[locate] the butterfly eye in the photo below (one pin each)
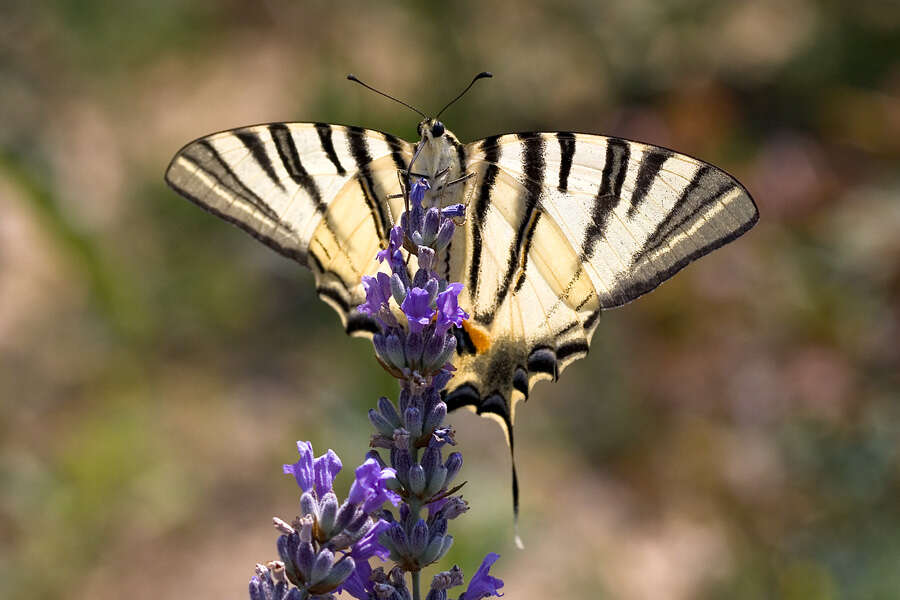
(437, 130)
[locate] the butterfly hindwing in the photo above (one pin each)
(561, 226)
(314, 192)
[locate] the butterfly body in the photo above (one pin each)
(558, 227)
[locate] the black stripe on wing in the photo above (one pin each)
(324, 130)
(207, 159)
(651, 163)
(358, 143)
(533, 167)
(255, 145)
(290, 159)
(566, 154)
(491, 150)
(609, 193)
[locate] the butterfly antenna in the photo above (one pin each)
(353, 77)
(482, 75)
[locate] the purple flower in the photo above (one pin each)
(310, 472)
(370, 488)
(394, 244)
(482, 584)
(417, 307)
(417, 191)
(449, 312)
(378, 291)
(359, 583)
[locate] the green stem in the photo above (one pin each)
(415, 584)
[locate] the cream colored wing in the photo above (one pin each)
(314, 192)
(561, 226)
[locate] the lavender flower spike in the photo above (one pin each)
(482, 583)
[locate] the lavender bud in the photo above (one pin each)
(344, 515)
(413, 418)
(384, 591)
(259, 588)
(436, 481)
(308, 505)
(432, 551)
(304, 559)
(433, 353)
(438, 527)
(393, 350)
(414, 346)
(454, 507)
(385, 540)
(401, 439)
(287, 550)
(447, 579)
(434, 594)
(380, 423)
(426, 258)
(282, 526)
(378, 340)
(397, 577)
(398, 289)
(432, 287)
(440, 381)
(445, 546)
(431, 459)
(339, 572)
(276, 568)
(447, 350)
(430, 226)
(421, 278)
(416, 479)
(340, 542)
(321, 566)
(404, 515)
(387, 410)
(435, 417)
(398, 538)
(453, 465)
(444, 235)
(328, 508)
(403, 401)
(418, 538)
(359, 523)
(401, 461)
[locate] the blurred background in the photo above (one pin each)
(734, 434)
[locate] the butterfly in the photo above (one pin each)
(558, 227)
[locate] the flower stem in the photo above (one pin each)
(415, 584)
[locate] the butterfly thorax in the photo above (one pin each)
(437, 158)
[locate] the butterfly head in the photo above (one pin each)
(430, 129)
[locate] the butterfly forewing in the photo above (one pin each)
(561, 226)
(314, 192)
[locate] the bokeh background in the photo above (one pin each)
(734, 434)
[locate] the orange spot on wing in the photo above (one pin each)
(478, 335)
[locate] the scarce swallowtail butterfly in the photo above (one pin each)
(559, 227)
